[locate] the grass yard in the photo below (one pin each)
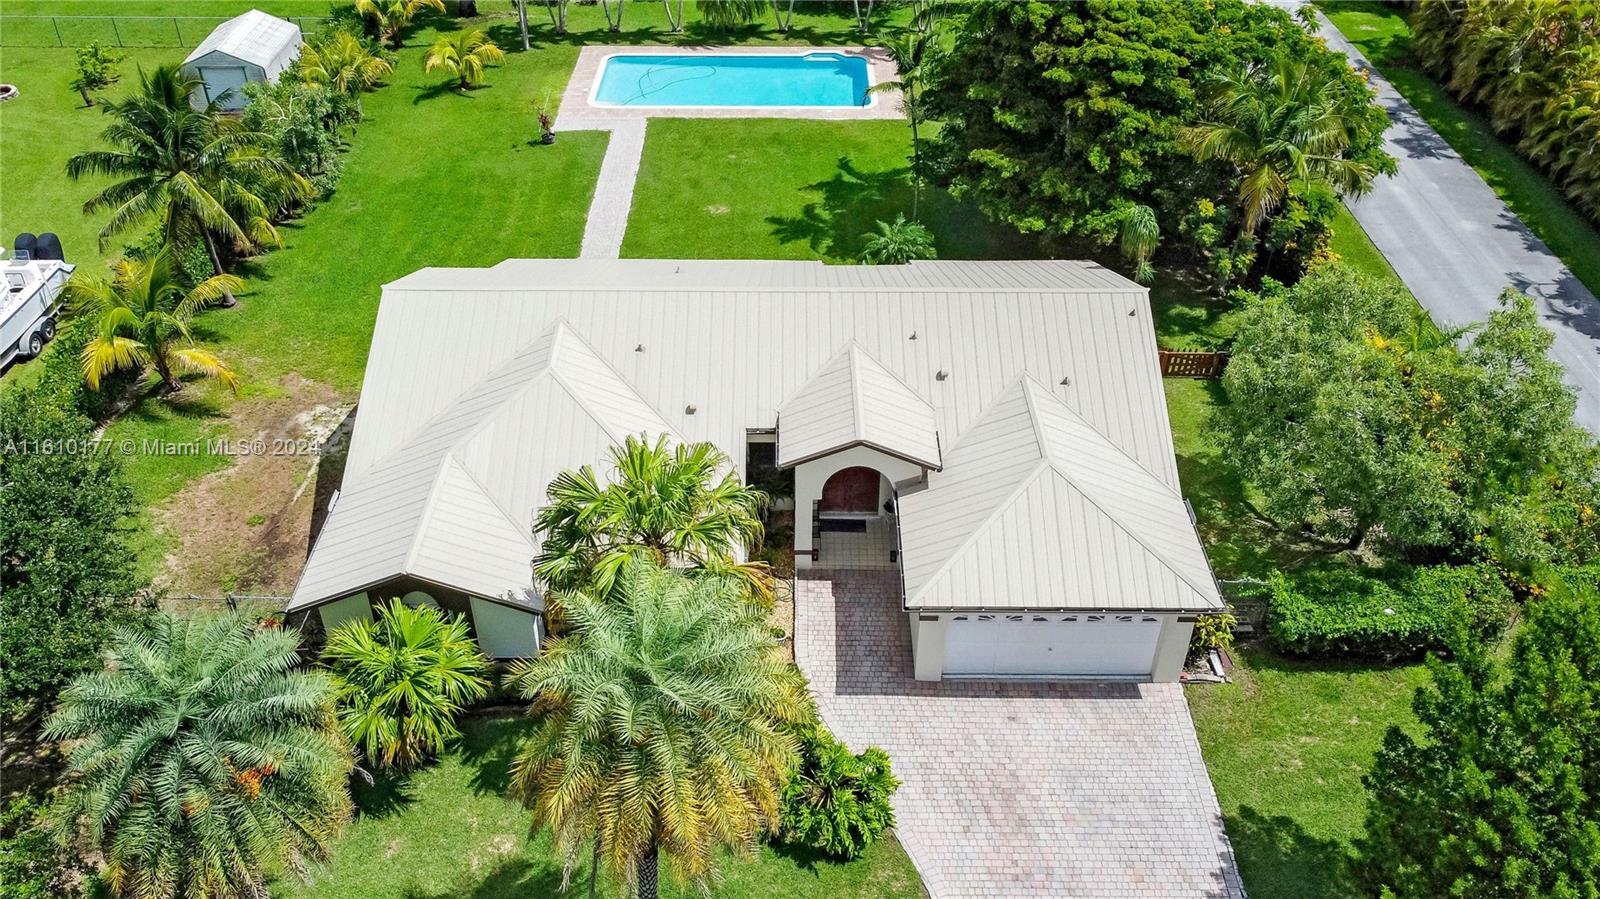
(1382, 34)
(451, 830)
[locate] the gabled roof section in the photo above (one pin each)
(1036, 509)
(454, 502)
(853, 400)
(255, 37)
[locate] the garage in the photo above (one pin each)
(1051, 645)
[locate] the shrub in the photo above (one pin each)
(28, 860)
(96, 69)
(1212, 632)
(1341, 611)
(837, 802)
(299, 121)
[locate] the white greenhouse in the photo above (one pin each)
(249, 47)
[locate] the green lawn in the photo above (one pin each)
(1381, 33)
(451, 830)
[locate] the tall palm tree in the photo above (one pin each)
(391, 18)
(402, 680)
(664, 726)
(674, 505)
(1282, 123)
(207, 758)
(141, 317)
(205, 176)
(913, 53)
(343, 63)
(463, 54)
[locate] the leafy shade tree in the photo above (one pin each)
(897, 242)
(1497, 794)
(96, 69)
(206, 759)
(389, 19)
(298, 120)
(202, 174)
(402, 680)
(463, 54)
(1060, 117)
(142, 317)
(913, 52)
(1350, 413)
(65, 558)
(1288, 125)
(673, 504)
(344, 64)
(665, 725)
(838, 802)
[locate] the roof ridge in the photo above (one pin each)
(853, 353)
(982, 526)
(588, 409)
(1101, 434)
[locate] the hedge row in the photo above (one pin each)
(1341, 611)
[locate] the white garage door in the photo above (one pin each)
(1051, 645)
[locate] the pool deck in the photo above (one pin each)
(578, 114)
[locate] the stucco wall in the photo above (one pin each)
(809, 477)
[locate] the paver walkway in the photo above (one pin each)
(613, 195)
(1456, 245)
(1087, 791)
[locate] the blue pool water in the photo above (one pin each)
(816, 79)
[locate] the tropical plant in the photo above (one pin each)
(343, 63)
(204, 175)
(297, 120)
(1138, 238)
(463, 54)
(96, 69)
(1287, 125)
(1213, 631)
(679, 504)
(837, 802)
(204, 759)
(389, 19)
(913, 53)
(142, 317)
(897, 242)
(66, 558)
(728, 14)
(665, 717)
(402, 680)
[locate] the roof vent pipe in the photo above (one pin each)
(942, 375)
(689, 409)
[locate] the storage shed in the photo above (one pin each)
(249, 47)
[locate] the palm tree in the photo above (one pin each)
(141, 317)
(1282, 123)
(680, 504)
(206, 758)
(464, 55)
(665, 725)
(1139, 235)
(203, 174)
(728, 14)
(343, 63)
(913, 54)
(402, 680)
(897, 242)
(391, 18)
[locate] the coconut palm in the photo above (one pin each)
(343, 63)
(205, 759)
(141, 317)
(897, 242)
(205, 176)
(1283, 123)
(913, 54)
(673, 504)
(463, 54)
(402, 680)
(390, 18)
(664, 727)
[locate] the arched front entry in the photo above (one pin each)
(842, 516)
(854, 491)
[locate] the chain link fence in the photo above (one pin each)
(121, 31)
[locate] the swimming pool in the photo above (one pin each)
(812, 79)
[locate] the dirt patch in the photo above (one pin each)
(718, 209)
(247, 527)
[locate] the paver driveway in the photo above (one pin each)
(1017, 789)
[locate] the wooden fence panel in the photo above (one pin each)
(1187, 364)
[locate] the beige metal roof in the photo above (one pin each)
(1036, 509)
(707, 350)
(854, 400)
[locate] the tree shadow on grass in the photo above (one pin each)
(388, 793)
(429, 92)
(1279, 860)
(806, 858)
(514, 879)
(847, 206)
(488, 746)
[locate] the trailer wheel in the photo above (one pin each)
(48, 330)
(35, 344)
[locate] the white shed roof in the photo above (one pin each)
(854, 400)
(254, 37)
(1037, 510)
(704, 350)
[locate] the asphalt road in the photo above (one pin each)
(1457, 246)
